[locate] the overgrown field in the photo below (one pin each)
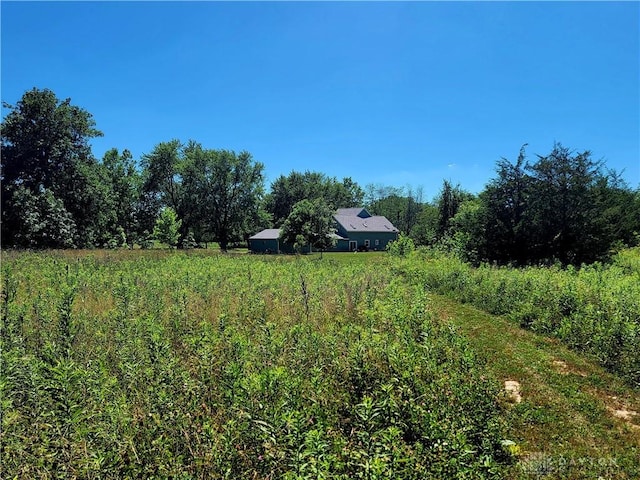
(150, 365)
(594, 309)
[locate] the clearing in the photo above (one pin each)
(568, 417)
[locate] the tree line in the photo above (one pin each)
(563, 207)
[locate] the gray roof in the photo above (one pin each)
(268, 234)
(376, 223)
(355, 212)
(274, 234)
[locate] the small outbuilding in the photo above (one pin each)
(266, 241)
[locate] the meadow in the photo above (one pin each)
(173, 365)
(167, 364)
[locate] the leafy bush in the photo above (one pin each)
(401, 247)
(188, 242)
(167, 227)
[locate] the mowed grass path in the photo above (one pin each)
(571, 420)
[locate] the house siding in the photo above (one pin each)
(383, 239)
(263, 245)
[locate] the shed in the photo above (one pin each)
(266, 241)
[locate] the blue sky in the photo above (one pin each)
(390, 93)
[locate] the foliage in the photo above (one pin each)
(188, 241)
(46, 155)
(162, 169)
(566, 401)
(309, 223)
(448, 202)
(44, 140)
(136, 364)
(465, 235)
(44, 222)
(401, 247)
(425, 231)
(401, 206)
(119, 240)
(563, 208)
(167, 229)
(286, 191)
(146, 240)
(125, 186)
(505, 200)
(563, 205)
(225, 190)
(594, 309)
(213, 192)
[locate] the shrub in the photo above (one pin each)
(401, 247)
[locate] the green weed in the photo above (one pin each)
(161, 365)
(595, 309)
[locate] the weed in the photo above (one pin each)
(201, 366)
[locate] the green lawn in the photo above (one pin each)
(566, 423)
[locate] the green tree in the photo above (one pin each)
(563, 210)
(224, 191)
(449, 201)
(162, 179)
(167, 227)
(619, 207)
(466, 235)
(45, 223)
(564, 207)
(188, 242)
(125, 182)
(343, 194)
(506, 200)
(402, 207)
(286, 191)
(310, 223)
(425, 231)
(45, 150)
(216, 194)
(89, 198)
(401, 247)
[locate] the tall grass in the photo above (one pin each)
(595, 309)
(192, 366)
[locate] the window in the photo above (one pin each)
(377, 242)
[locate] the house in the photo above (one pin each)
(356, 229)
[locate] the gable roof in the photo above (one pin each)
(274, 234)
(357, 212)
(268, 234)
(349, 219)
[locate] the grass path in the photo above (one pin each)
(574, 420)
